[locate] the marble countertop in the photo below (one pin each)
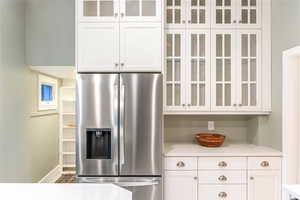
(194, 149)
(64, 192)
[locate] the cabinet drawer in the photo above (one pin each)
(271, 163)
(222, 177)
(215, 192)
(213, 163)
(181, 163)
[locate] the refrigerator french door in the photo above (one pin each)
(119, 138)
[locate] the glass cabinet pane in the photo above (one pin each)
(148, 8)
(198, 61)
(223, 12)
(248, 69)
(174, 12)
(106, 8)
(132, 8)
(248, 11)
(90, 8)
(198, 12)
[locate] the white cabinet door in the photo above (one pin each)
(198, 70)
(176, 13)
(140, 47)
(249, 70)
(140, 10)
(180, 185)
(175, 89)
(98, 47)
(224, 13)
(264, 185)
(98, 10)
(249, 13)
(223, 70)
(198, 13)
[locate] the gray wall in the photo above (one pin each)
(285, 35)
(50, 32)
(28, 146)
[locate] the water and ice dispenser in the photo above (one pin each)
(98, 143)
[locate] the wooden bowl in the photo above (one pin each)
(210, 139)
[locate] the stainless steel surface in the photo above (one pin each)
(97, 107)
(142, 124)
(121, 125)
(142, 188)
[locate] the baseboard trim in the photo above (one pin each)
(52, 176)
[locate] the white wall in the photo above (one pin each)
(28, 145)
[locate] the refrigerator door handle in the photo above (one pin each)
(136, 184)
(122, 124)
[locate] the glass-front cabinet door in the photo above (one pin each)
(249, 13)
(198, 13)
(198, 70)
(249, 70)
(98, 10)
(175, 13)
(140, 10)
(223, 70)
(175, 92)
(224, 13)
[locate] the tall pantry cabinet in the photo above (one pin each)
(217, 57)
(119, 36)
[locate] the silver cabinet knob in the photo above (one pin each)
(222, 178)
(222, 195)
(234, 21)
(222, 164)
(180, 164)
(116, 14)
(189, 21)
(122, 64)
(183, 105)
(195, 178)
(116, 64)
(251, 178)
(265, 164)
(183, 21)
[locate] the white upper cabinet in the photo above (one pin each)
(223, 70)
(187, 14)
(175, 93)
(96, 53)
(249, 70)
(119, 36)
(98, 10)
(198, 70)
(140, 47)
(140, 10)
(236, 13)
(123, 10)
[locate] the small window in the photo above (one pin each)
(47, 93)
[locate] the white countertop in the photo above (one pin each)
(63, 192)
(292, 191)
(194, 149)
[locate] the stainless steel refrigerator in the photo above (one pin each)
(119, 132)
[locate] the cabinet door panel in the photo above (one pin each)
(175, 13)
(180, 185)
(249, 70)
(98, 54)
(223, 71)
(198, 70)
(140, 47)
(249, 13)
(140, 10)
(264, 184)
(175, 71)
(198, 13)
(98, 10)
(224, 13)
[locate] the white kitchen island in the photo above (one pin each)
(64, 192)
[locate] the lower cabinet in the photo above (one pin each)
(228, 178)
(180, 185)
(264, 185)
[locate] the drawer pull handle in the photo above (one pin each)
(180, 164)
(222, 194)
(222, 164)
(222, 178)
(265, 164)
